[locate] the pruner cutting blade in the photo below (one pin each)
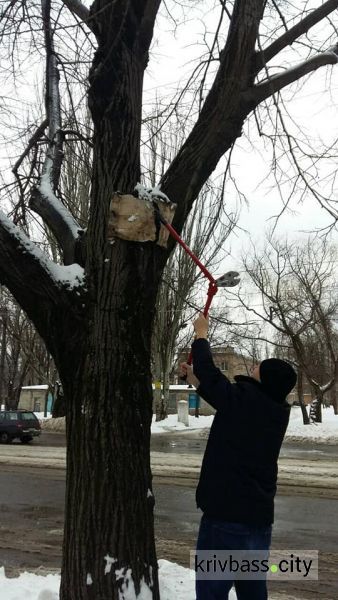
(229, 279)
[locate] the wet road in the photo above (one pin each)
(31, 505)
(194, 442)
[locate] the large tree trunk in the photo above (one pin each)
(109, 501)
(109, 531)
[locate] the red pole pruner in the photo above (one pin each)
(229, 279)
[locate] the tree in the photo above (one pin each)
(284, 350)
(24, 359)
(295, 284)
(95, 313)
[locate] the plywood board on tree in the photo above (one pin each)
(133, 219)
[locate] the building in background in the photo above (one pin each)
(231, 363)
(36, 398)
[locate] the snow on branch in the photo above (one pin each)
(42, 288)
(275, 83)
(151, 194)
(12, 239)
(327, 386)
(54, 213)
(290, 36)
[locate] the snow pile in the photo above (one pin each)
(325, 432)
(171, 424)
(175, 582)
(41, 415)
(29, 587)
(56, 425)
(178, 583)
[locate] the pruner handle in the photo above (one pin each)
(211, 292)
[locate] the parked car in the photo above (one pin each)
(21, 424)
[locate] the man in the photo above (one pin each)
(238, 477)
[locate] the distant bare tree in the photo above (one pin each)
(295, 283)
(24, 358)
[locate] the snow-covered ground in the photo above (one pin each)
(326, 432)
(171, 424)
(176, 582)
(41, 415)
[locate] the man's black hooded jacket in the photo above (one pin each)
(239, 470)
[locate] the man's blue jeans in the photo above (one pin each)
(220, 535)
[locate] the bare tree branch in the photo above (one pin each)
(275, 83)
(302, 27)
(292, 279)
(38, 133)
(23, 271)
(223, 113)
(80, 10)
(43, 200)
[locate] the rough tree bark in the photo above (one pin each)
(109, 517)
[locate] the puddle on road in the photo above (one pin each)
(177, 447)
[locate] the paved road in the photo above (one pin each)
(194, 442)
(31, 504)
(310, 475)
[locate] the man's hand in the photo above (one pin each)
(201, 326)
(187, 371)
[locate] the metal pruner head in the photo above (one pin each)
(229, 279)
